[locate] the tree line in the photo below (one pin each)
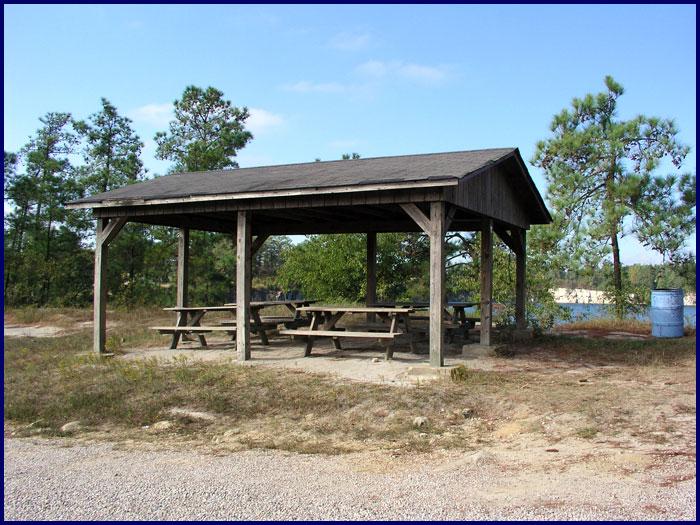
(603, 183)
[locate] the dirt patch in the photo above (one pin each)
(357, 361)
(45, 330)
(33, 331)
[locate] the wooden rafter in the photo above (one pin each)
(418, 216)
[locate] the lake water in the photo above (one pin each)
(597, 311)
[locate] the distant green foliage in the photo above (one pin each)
(41, 236)
(326, 267)
(48, 249)
(463, 276)
(332, 268)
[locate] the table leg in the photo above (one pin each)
(181, 321)
(330, 325)
(310, 339)
(460, 316)
(292, 308)
(390, 343)
(257, 323)
(184, 336)
(463, 324)
(407, 328)
(233, 335)
(196, 317)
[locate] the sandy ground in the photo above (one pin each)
(32, 331)
(44, 330)
(65, 480)
(364, 360)
(357, 361)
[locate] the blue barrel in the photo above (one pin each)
(667, 312)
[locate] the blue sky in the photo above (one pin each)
(378, 80)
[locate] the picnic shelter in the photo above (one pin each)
(489, 191)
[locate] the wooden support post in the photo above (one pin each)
(243, 284)
(437, 282)
(486, 280)
(100, 290)
(106, 231)
(183, 266)
(371, 273)
(520, 282)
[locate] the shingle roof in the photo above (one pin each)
(319, 176)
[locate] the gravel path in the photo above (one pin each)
(47, 480)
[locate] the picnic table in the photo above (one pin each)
(189, 320)
(324, 320)
(292, 305)
(458, 314)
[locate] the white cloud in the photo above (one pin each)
(372, 68)
(351, 41)
(313, 87)
(261, 120)
(157, 115)
(427, 74)
(375, 72)
(420, 73)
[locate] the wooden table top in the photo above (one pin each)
(291, 302)
(232, 306)
(426, 305)
(197, 308)
(356, 309)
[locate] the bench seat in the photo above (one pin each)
(339, 333)
(427, 318)
(265, 324)
(196, 329)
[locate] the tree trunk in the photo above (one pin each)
(617, 274)
(614, 230)
(47, 273)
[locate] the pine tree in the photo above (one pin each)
(599, 170)
(206, 133)
(39, 219)
(112, 151)
(112, 154)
